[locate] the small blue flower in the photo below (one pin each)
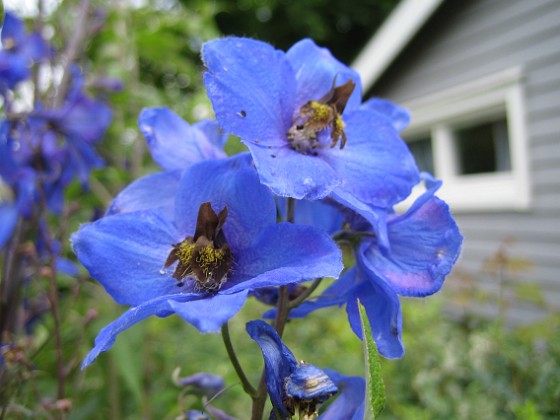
(202, 383)
(174, 145)
(82, 121)
(292, 386)
(299, 113)
(222, 243)
(19, 51)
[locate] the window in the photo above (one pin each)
(473, 137)
(483, 148)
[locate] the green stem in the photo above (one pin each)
(247, 387)
(301, 298)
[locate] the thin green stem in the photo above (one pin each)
(301, 298)
(247, 387)
(259, 400)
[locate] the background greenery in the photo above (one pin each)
(456, 366)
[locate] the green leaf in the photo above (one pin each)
(375, 388)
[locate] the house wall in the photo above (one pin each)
(466, 40)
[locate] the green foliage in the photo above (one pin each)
(457, 370)
(375, 388)
(343, 27)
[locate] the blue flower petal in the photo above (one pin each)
(308, 382)
(316, 70)
(13, 30)
(149, 192)
(315, 213)
(291, 174)
(279, 361)
(383, 310)
(349, 403)
(107, 336)
(209, 314)
(126, 253)
(230, 182)
(213, 132)
(285, 253)
(8, 218)
(425, 243)
(334, 295)
(398, 117)
(376, 166)
(173, 143)
(252, 88)
(66, 266)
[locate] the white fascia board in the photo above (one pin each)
(391, 38)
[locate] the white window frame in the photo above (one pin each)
(494, 96)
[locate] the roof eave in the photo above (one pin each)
(391, 38)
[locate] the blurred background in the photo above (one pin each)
(482, 82)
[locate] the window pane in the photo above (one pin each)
(483, 148)
(421, 149)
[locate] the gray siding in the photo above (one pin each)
(466, 40)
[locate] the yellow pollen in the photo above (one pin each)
(185, 252)
(338, 125)
(208, 258)
(321, 112)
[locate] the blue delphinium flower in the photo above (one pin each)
(174, 145)
(17, 187)
(82, 121)
(222, 243)
(292, 386)
(417, 251)
(301, 116)
(19, 51)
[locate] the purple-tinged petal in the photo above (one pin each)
(383, 310)
(398, 117)
(126, 253)
(13, 69)
(159, 306)
(76, 119)
(425, 243)
(35, 48)
(285, 253)
(308, 382)
(279, 361)
(376, 166)
(218, 414)
(231, 183)
(13, 30)
(66, 266)
(252, 88)
(149, 192)
(8, 218)
(202, 383)
(349, 403)
(173, 143)
(316, 71)
(209, 314)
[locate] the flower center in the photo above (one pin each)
(316, 118)
(206, 257)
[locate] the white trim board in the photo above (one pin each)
(499, 94)
(390, 39)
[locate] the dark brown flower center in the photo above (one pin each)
(206, 256)
(317, 116)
